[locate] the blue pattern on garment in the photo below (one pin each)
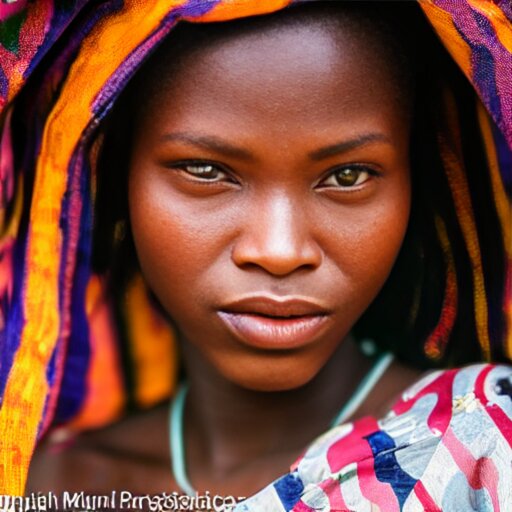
(289, 488)
(387, 468)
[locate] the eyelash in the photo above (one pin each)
(331, 174)
(183, 166)
(360, 168)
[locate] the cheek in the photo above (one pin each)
(365, 242)
(176, 240)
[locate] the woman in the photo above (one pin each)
(221, 136)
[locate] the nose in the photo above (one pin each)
(276, 237)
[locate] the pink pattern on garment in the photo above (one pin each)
(332, 489)
(31, 37)
(302, 507)
(8, 10)
(441, 415)
(350, 448)
(375, 491)
(424, 497)
(481, 473)
(440, 470)
(498, 416)
(354, 447)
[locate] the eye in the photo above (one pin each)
(204, 171)
(348, 177)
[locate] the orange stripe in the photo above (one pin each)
(449, 142)
(153, 348)
(230, 9)
(443, 25)
(436, 342)
(26, 388)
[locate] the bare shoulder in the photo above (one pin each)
(131, 454)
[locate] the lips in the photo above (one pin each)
(269, 323)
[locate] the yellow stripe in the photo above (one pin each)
(500, 196)
(443, 25)
(503, 206)
(449, 143)
(230, 9)
(102, 52)
(502, 26)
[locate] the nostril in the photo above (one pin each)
(278, 267)
(278, 260)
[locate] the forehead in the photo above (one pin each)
(301, 74)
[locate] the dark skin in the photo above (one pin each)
(275, 167)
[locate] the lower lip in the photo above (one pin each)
(274, 333)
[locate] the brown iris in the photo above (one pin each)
(348, 177)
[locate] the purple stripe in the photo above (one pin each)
(477, 32)
(117, 81)
(484, 67)
(70, 41)
(77, 350)
(4, 85)
(497, 87)
(506, 7)
(504, 154)
(196, 8)
(59, 22)
(73, 387)
(11, 335)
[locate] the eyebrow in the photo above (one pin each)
(211, 142)
(347, 145)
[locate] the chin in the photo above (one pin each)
(271, 376)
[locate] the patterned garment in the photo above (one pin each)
(446, 445)
(72, 354)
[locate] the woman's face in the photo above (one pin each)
(269, 195)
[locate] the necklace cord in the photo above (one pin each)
(176, 437)
(364, 388)
(177, 443)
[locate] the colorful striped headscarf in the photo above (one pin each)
(62, 66)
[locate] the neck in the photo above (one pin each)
(228, 427)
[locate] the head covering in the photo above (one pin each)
(68, 352)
